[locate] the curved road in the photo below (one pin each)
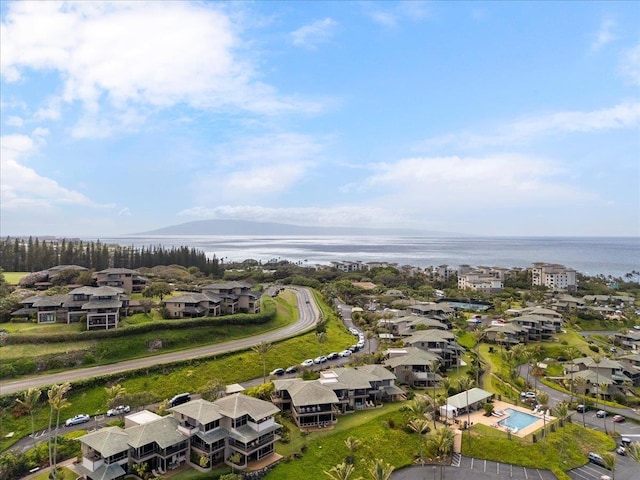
(308, 314)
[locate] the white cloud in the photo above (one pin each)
(391, 16)
(50, 110)
(629, 65)
(309, 36)
(622, 116)
(14, 121)
(347, 216)
(604, 35)
(258, 166)
(471, 182)
(22, 187)
(124, 212)
(123, 55)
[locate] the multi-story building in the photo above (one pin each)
(128, 280)
(234, 296)
(440, 342)
(101, 306)
(237, 430)
(482, 279)
(553, 276)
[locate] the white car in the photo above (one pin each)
(320, 359)
(345, 353)
(360, 344)
(307, 363)
(77, 420)
(118, 410)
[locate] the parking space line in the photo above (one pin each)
(579, 474)
(485, 465)
(472, 463)
(497, 468)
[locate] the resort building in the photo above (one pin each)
(214, 300)
(413, 366)
(553, 276)
(131, 281)
(236, 427)
(441, 343)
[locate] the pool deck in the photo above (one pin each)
(492, 421)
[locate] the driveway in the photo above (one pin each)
(307, 317)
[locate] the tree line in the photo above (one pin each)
(35, 254)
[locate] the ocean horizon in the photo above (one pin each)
(608, 256)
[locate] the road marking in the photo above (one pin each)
(525, 472)
(498, 468)
(471, 463)
(485, 465)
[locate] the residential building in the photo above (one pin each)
(235, 297)
(440, 342)
(553, 276)
(506, 334)
(192, 305)
(628, 339)
(413, 366)
(347, 266)
(216, 431)
(131, 281)
(102, 307)
(482, 279)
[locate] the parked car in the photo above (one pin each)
(77, 420)
(597, 459)
(119, 410)
(360, 344)
(581, 408)
(354, 348)
(332, 356)
(345, 353)
(307, 363)
(277, 371)
(179, 399)
(601, 414)
(618, 418)
(291, 369)
(320, 359)
(528, 395)
(636, 327)
(626, 441)
(621, 450)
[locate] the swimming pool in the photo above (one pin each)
(517, 419)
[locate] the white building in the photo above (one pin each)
(553, 276)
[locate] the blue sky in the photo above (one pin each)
(497, 118)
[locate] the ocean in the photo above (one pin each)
(588, 255)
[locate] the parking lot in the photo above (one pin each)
(472, 468)
(626, 469)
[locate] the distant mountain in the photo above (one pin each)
(243, 227)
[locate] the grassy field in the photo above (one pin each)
(232, 368)
(323, 450)
(12, 278)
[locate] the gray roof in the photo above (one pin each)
(108, 441)
(414, 356)
(107, 303)
(239, 404)
(431, 336)
(474, 395)
(106, 291)
(311, 392)
(105, 472)
(247, 434)
(163, 431)
(187, 298)
(200, 410)
(44, 301)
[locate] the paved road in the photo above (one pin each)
(308, 314)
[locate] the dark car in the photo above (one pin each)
(180, 399)
(277, 371)
(332, 356)
(291, 369)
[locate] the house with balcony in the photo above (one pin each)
(441, 343)
(213, 430)
(311, 403)
(506, 334)
(131, 281)
(602, 379)
(234, 297)
(102, 307)
(631, 367)
(628, 339)
(413, 366)
(193, 305)
(316, 403)
(538, 328)
(553, 276)
(105, 454)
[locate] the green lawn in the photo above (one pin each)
(12, 278)
(323, 450)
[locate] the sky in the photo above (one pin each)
(496, 118)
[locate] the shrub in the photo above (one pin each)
(594, 348)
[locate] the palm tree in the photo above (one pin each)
(610, 462)
(543, 399)
(114, 395)
(597, 359)
(380, 470)
(603, 387)
(421, 427)
(57, 402)
(352, 444)
(571, 353)
(29, 401)
(562, 412)
(369, 335)
(441, 443)
(419, 406)
(478, 336)
(465, 384)
(581, 384)
(434, 368)
(342, 471)
(262, 349)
